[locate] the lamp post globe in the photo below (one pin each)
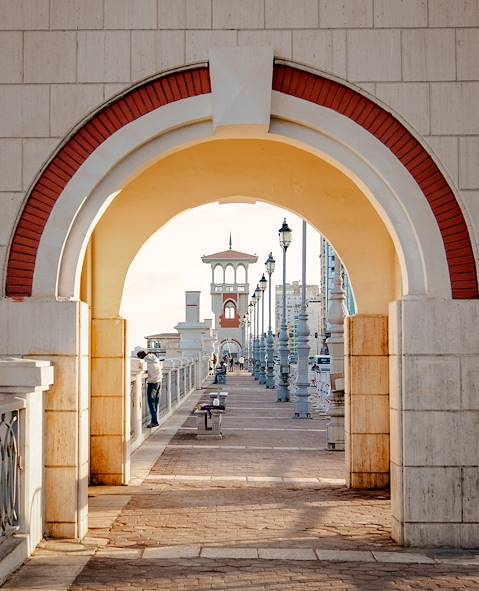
(257, 361)
(262, 341)
(270, 265)
(285, 237)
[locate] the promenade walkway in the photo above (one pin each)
(264, 508)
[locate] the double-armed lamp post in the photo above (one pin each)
(270, 264)
(285, 237)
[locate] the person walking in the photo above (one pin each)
(241, 362)
(153, 387)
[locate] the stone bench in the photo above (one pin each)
(208, 421)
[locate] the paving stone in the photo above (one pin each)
(287, 553)
(130, 554)
(403, 557)
(172, 552)
(229, 553)
(345, 555)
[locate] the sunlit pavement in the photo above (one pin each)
(264, 508)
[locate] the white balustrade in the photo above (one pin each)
(22, 383)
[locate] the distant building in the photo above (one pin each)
(229, 296)
(293, 307)
(165, 344)
(327, 262)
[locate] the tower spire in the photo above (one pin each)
(231, 244)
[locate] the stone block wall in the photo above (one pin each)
(62, 58)
(434, 371)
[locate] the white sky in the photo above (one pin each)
(169, 263)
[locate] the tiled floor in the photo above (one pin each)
(264, 508)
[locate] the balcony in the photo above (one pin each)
(229, 288)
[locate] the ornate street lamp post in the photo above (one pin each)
(270, 263)
(244, 326)
(262, 346)
(302, 405)
(250, 347)
(253, 367)
(257, 364)
(285, 236)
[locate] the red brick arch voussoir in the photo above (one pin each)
(153, 94)
(141, 100)
(409, 151)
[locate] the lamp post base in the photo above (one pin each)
(283, 389)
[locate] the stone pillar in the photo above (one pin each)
(58, 331)
(336, 313)
(110, 403)
(22, 384)
(367, 401)
(434, 368)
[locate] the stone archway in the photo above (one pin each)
(305, 111)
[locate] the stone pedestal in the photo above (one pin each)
(367, 401)
(58, 331)
(336, 414)
(209, 427)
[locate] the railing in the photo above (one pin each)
(178, 380)
(145, 412)
(229, 287)
(9, 472)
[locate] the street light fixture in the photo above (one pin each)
(262, 344)
(285, 237)
(257, 363)
(270, 264)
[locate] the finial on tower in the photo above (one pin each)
(231, 244)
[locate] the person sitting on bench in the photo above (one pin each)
(221, 370)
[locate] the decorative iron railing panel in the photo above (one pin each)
(9, 472)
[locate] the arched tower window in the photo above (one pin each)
(230, 310)
(229, 274)
(240, 274)
(218, 274)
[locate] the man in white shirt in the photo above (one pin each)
(154, 376)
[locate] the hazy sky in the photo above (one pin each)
(169, 263)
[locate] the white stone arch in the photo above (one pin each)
(333, 137)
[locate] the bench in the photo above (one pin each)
(208, 421)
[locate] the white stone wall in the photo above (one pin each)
(59, 59)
